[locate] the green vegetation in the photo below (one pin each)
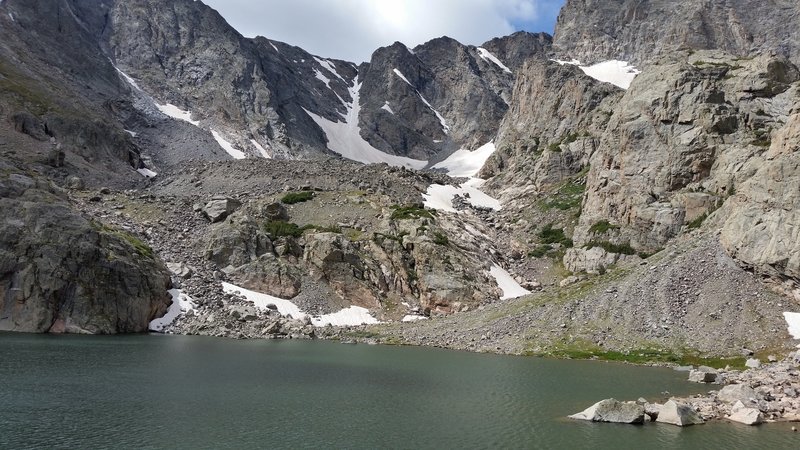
(411, 212)
(555, 147)
(280, 228)
(550, 235)
(380, 237)
(601, 227)
(297, 197)
(138, 245)
(648, 355)
(763, 138)
(645, 255)
(696, 223)
(540, 251)
(569, 195)
(440, 239)
(624, 249)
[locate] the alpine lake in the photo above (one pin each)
(175, 392)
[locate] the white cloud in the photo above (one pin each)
(353, 29)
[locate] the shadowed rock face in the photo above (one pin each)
(62, 273)
(638, 31)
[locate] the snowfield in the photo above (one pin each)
(618, 73)
(462, 164)
(345, 138)
(181, 304)
(176, 113)
(354, 315)
(228, 147)
(510, 288)
(465, 163)
(793, 323)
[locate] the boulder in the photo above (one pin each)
(703, 374)
(244, 313)
(611, 410)
(738, 393)
(180, 270)
(220, 207)
(753, 363)
(276, 211)
(745, 415)
(652, 410)
(678, 414)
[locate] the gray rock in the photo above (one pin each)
(220, 207)
(678, 414)
(703, 375)
(738, 392)
(745, 415)
(180, 270)
(753, 363)
(611, 410)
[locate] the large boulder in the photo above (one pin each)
(612, 410)
(703, 374)
(220, 207)
(745, 415)
(738, 393)
(678, 414)
(63, 273)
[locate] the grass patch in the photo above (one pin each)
(540, 251)
(440, 239)
(138, 245)
(411, 212)
(280, 228)
(380, 237)
(696, 223)
(601, 227)
(648, 356)
(624, 249)
(297, 197)
(569, 195)
(763, 138)
(550, 235)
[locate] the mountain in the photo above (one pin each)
(640, 31)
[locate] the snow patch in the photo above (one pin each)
(388, 108)
(327, 65)
(260, 149)
(228, 147)
(345, 138)
(10, 16)
(352, 316)
(323, 78)
(127, 78)
(793, 323)
(618, 73)
(413, 318)
(176, 113)
(465, 163)
(440, 197)
(181, 303)
(273, 46)
(510, 288)
(488, 56)
(403, 77)
(132, 133)
(147, 173)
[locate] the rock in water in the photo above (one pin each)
(220, 207)
(611, 410)
(703, 375)
(745, 415)
(678, 414)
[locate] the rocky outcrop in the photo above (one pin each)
(611, 410)
(682, 140)
(63, 273)
(551, 128)
(637, 31)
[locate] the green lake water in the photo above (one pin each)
(190, 392)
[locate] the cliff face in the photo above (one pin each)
(639, 31)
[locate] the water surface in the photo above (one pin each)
(193, 392)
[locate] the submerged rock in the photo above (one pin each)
(611, 410)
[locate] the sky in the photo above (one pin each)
(353, 29)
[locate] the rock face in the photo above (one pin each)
(62, 273)
(632, 30)
(678, 414)
(611, 410)
(669, 156)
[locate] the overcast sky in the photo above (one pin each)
(353, 29)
